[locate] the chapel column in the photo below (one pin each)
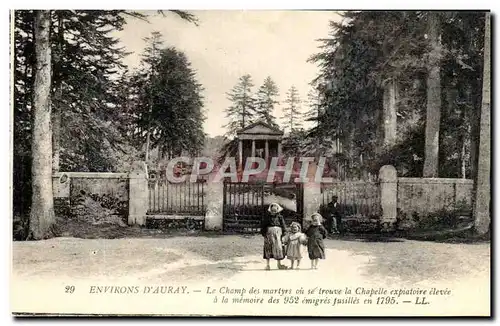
(253, 147)
(267, 150)
(240, 155)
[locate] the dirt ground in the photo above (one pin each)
(233, 259)
(222, 256)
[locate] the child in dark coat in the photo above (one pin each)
(315, 235)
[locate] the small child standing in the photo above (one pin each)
(293, 242)
(315, 235)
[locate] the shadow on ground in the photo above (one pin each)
(204, 272)
(367, 238)
(415, 261)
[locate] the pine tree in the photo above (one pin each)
(370, 51)
(242, 111)
(266, 101)
(86, 97)
(167, 101)
(84, 88)
(86, 91)
(292, 118)
(151, 57)
(314, 104)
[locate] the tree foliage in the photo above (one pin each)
(266, 101)
(366, 50)
(292, 116)
(86, 92)
(85, 89)
(242, 110)
(167, 100)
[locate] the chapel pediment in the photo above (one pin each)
(261, 128)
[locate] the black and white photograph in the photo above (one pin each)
(215, 163)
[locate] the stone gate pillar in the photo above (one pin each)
(138, 195)
(214, 199)
(312, 197)
(388, 194)
(61, 186)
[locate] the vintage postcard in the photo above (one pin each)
(251, 163)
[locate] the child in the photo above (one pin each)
(293, 242)
(315, 235)
(272, 228)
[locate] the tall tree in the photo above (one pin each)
(313, 114)
(86, 76)
(151, 59)
(292, 117)
(242, 110)
(42, 218)
(168, 102)
(24, 60)
(86, 94)
(389, 116)
(85, 88)
(366, 52)
(433, 112)
(314, 104)
(266, 101)
(482, 198)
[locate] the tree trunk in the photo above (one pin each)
(474, 135)
(463, 155)
(42, 217)
(56, 109)
(390, 119)
(465, 138)
(433, 114)
(482, 199)
(450, 110)
(56, 132)
(148, 140)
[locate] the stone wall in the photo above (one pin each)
(401, 196)
(423, 196)
(109, 190)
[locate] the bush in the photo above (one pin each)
(20, 227)
(439, 220)
(98, 209)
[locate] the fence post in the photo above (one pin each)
(215, 202)
(138, 196)
(388, 194)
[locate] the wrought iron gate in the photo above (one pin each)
(244, 204)
(175, 205)
(359, 203)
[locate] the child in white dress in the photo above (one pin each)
(293, 241)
